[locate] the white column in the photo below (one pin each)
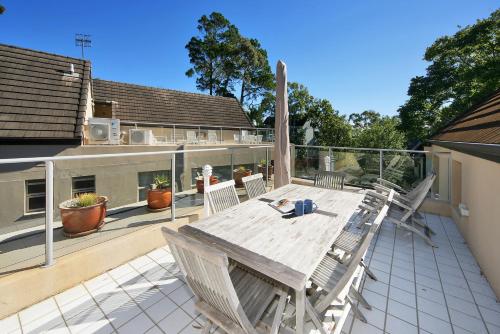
(207, 172)
(327, 164)
(49, 213)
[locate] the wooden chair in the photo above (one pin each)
(348, 241)
(254, 185)
(329, 180)
(405, 208)
(334, 277)
(222, 196)
(191, 137)
(234, 301)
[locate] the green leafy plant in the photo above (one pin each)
(263, 162)
(86, 199)
(161, 181)
(241, 169)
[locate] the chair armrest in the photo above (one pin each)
(391, 185)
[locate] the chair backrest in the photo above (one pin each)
(190, 135)
(222, 196)
(254, 185)
(419, 197)
(355, 259)
(330, 180)
(212, 136)
(206, 272)
(259, 138)
(236, 138)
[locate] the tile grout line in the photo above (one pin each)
(62, 315)
(389, 283)
(415, 281)
(466, 281)
(441, 281)
(95, 301)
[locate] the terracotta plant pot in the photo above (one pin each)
(85, 220)
(159, 198)
(263, 170)
(239, 174)
(200, 184)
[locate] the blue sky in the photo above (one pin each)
(358, 54)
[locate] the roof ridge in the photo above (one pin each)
(43, 52)
(166, 89)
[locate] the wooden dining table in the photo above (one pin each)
(284, 247)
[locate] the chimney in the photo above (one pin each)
(72, 68)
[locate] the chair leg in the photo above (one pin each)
(414, 230)
(279, 314)
(355, 309)
(368, 271)
(207, 327)
(314, 317)
(420, 223)
(359, 297)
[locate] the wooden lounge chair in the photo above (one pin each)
(335, 278)
(233, 300)
(254, 185)
(222, 196)
(329, 180)
(404, 208)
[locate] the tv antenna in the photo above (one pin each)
(83, 41)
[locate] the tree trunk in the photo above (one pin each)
(242, 96)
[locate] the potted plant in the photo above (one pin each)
(264, 166)
(240, 173)
(83, 214)
(160, 194)
(200, 182)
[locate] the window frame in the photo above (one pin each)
(28, 195)
(77, 191)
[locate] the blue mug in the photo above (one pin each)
(299, 208)
(309, 206)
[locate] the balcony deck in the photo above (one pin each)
(420, 290)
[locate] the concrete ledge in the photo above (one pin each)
(27, 287)
(436, 207)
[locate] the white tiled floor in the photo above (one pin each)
(419, 290)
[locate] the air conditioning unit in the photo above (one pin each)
(141, 137)
(104, 131)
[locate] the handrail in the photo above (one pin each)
(192, 125)
(363, 149)
(117, 155)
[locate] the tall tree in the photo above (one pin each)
(330, 128)
(213, 53)
(254, 72)
(365, 119)
(464, 69)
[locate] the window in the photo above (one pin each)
(145, 181)
(35, 195)
(83, 184)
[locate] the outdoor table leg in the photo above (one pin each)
(300, 311)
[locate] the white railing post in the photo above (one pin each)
(172, 207)
(49, 213)
(173, 134)
(381, 166)
(221, 134)
(327, 164)
(207, 172)
(267, 165)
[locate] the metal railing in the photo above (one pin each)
(49, 180)
(266, 133)
(379, 162)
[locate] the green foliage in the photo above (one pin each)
(222, 60)
(331, 129)
(2, 9)
(464, 69)
(372, 130)
(161, 181)
(86, 199)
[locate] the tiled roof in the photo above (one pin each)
(157, 105)
(479, 125)
(38, 100)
